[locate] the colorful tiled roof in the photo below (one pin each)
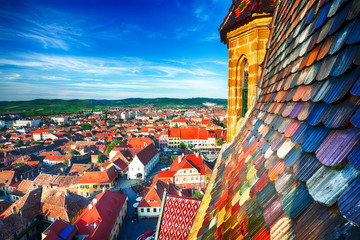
(242, 10)
(178, 215)
(293, 169)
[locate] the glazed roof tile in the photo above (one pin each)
(307, 118)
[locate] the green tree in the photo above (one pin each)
(74, 152)
(86, 126)
(4, 129)
(182, 145)
(176, 126)
(100, 158)
(112, 145)
(20, 143)
(219, 142)
(18, 164)
(65, 161)
(197, 195)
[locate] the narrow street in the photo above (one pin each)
(131, 231)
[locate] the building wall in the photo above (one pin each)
(143, 212)
(135, 167)
(90, 189)
(189, 178)
(245, 42)
(174, 142)
(114, 234)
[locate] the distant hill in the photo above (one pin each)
(56, 106)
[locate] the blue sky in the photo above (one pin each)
(112, 49)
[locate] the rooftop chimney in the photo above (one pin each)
(197, 154)
(179, 159)
(90, 206)
(102, 169)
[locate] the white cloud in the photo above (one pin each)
(12, 76)
(55, 78)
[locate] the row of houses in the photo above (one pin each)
(186, 175)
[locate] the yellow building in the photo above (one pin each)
(94, 182)
(245, 31)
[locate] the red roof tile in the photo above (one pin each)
(147, 154)
(100, 219)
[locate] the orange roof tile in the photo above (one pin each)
(140, 142)
(106, 176)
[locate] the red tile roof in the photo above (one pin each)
(147, 154)
(166, 174)
(57, 158)
(191, 161)
(188, 133)
(106, 176)
(140, 142)
(174, 132)
(100, 219)
(121, 164)
(7, 177)
(55, 229)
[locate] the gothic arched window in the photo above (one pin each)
(245, 85)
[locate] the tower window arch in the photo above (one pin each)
(242, 86)
(245, 85)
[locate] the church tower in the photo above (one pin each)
(245, 31)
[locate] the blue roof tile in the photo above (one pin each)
(355, 90)
(327, 184)
(322, 89)
(322, 15)
(354, 157)
(338, 115)
(266, 193)
(299, 134)
(349, 202)
(340, 86)
(339, 19)
(314, 136)
(355, 120)
(340, 38)
(316, 114)
(335, 6)
(294, 155)
(296, 200)
(354, 35)
(306, 167)
(345, 60)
